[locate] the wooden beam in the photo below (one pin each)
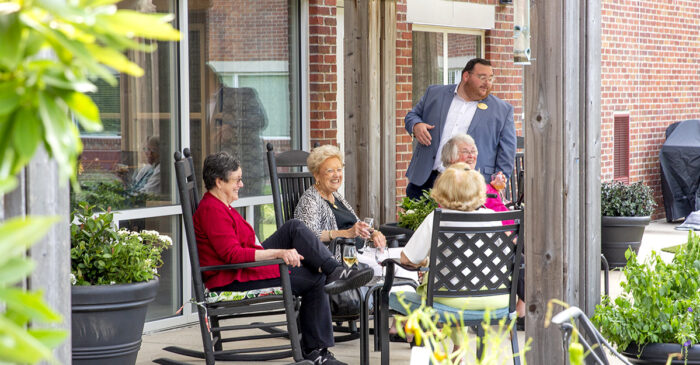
(561, 126)
(388, 112)
(47, 195)
(362, 107)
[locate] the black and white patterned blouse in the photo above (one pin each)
(314, 211)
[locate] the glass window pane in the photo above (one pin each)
(121, 167)
(427, 62)
(266, 225)
(244, 88)
(169, 297)
(460, 49)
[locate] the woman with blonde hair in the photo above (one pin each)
(458, 189)
(323, 209)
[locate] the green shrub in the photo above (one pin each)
(415, 210)
(620, 200)
(660, 302)
(102, 255)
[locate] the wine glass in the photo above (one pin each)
(498, 181)
(349, 255)
(381, 254)
(370, 223)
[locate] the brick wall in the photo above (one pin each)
(248, 30)
(650, 57)
(322, 71)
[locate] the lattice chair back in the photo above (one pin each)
(289, 180)
(473, 254)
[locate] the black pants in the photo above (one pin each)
(414, 191)
(315, 312)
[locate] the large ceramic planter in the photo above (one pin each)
(657, 353)
(619, 233)
(107, 321)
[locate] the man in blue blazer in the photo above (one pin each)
(446, 110)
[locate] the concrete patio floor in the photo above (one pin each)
(658, 234)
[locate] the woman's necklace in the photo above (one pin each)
(329, 200)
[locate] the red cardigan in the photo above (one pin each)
(224, 237)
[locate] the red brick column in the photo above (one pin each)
(322, 71)
(404, 82)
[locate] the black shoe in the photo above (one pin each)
(323, 357)
(520, 324)
(342, 279)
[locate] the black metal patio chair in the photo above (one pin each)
(213, 312)
(471, 255)
(289, 180)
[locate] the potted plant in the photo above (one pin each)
(626, 211)
(434, 340)
(658, 312)
(114, 276)
(412, 215)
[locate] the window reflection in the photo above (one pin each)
(429, 61)
(120, 167)
(244, 84)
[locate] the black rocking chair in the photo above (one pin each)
(212, 313)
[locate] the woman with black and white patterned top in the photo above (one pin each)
(323, 209)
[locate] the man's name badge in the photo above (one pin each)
(482, 106)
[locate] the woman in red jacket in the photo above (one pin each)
(224, 237)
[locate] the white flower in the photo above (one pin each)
(155, 271)
(147, 262)
(112, 282)
(410, 211)
(73, 279)
(165, 239)
(150, 232)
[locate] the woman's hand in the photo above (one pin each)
(498, 181)
(291, 257)
(378, 239)
(360, 229)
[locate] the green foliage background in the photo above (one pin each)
(51, 51)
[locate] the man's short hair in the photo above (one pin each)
(470, 65)
(218, 165)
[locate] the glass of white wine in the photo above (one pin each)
(349, 255)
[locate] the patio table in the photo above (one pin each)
(403, 278)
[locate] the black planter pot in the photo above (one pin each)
(393, 229)
(657, 353)
(619, 233)
(107, 321)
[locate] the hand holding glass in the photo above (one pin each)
(498, 181)
(370, 223)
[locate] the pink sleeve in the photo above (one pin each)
(496, 204)
(220, 228)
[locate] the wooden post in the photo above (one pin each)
(363, 140)
(562, 154)
(388, 112)
(47, 195)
